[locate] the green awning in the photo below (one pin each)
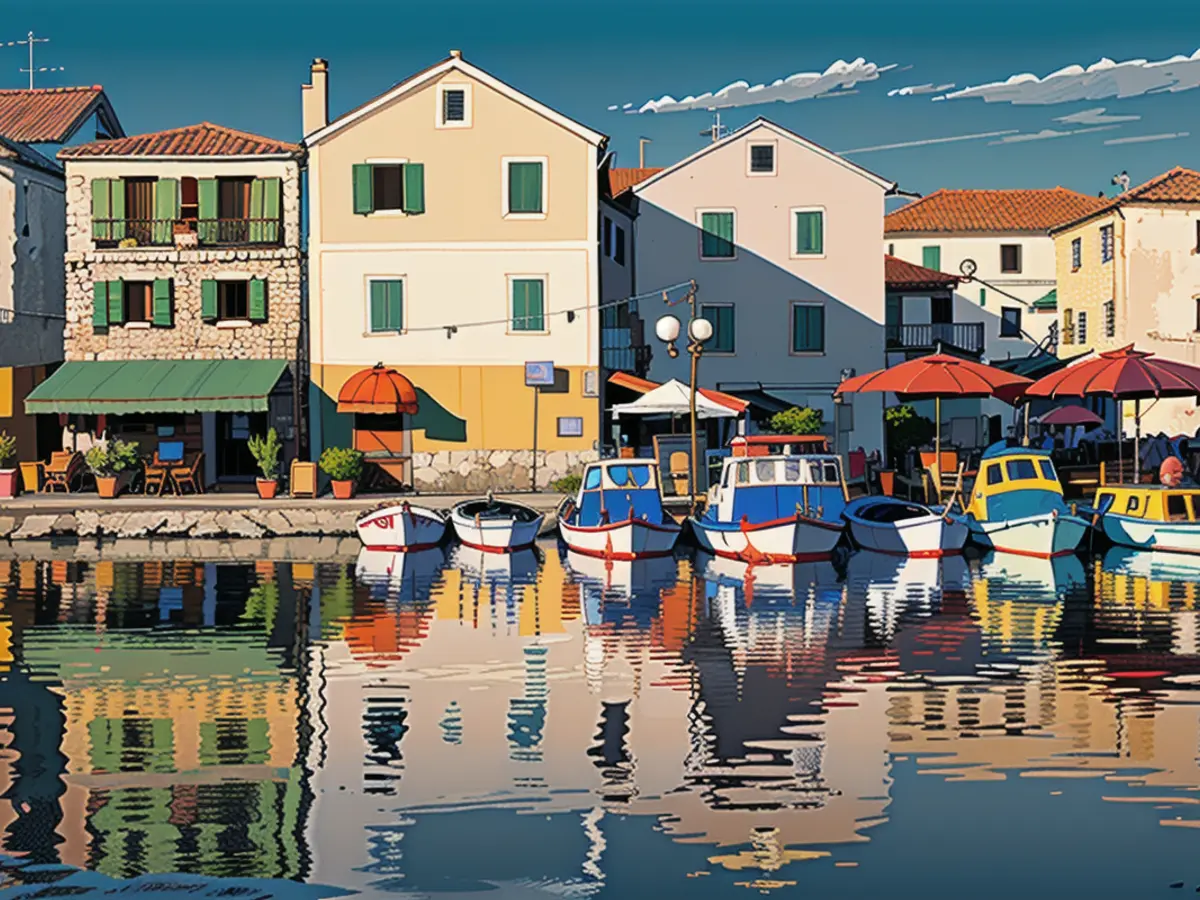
(110, 387)
(1047, 301)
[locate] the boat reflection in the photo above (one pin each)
(614, 590)
(404, 577)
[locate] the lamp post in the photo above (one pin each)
(699, 330)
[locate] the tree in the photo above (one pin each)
(797, 420)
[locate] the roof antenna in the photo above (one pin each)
(30, 40)
(1122, 180)
(716, 131)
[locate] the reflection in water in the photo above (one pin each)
(543, 722)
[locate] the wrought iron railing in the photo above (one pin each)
(965, 336)
(204, 232)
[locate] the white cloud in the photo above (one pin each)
(1096, 116)
(834, 81)
(1098, 81)
(1146, 138)
(927, 141)
(1047, 134)
(914, 90)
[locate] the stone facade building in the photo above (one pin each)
(183, 294)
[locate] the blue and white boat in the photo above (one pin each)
(774, 509)
(903, 528)
(618, 512)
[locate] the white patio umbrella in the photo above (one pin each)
(673, 399)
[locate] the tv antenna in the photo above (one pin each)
(29, 41)
(716, 131)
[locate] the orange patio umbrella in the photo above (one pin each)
(378, 391)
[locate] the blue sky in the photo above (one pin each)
(241, 64)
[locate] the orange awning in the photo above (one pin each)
(378, 391)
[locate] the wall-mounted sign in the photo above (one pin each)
(539, 374)
(591, 383)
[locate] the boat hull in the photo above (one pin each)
(501, 534)
(797, 539)
(1044, 536)
(1146, 534)
(628, 540)
(401, 529)
(927, 536)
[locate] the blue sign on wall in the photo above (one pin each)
(539, 374)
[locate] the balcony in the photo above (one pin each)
(618, 353)
(243, 232)
(963, 337)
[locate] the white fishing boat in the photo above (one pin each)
(618, 513)
(496, 526)
(902, 528)
(401, 528)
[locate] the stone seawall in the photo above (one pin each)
(186, 523)
(476, 471)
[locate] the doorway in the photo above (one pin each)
(234, 460)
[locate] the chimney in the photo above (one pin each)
(456, 54)
(314, 98)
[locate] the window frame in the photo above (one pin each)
(386, 161)
(222, 288)
(439, 112)
(791, 338)
(750, 146)
(708, 344)
(610, 246)
(147, 320)
(1081, 327)
(1107, 252)
(505, 164)
(715, 210)
(368, 280)
(1006, 332)
(793, 253)
(938, 249)
(1015, 270)
(1110, 318)
(510, 280)
(1076, 254)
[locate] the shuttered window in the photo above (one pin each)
(931, 258)
(1076, 253)
(716, 235)
(810, 232)
(208, 300)
(808, 328)
(1106, 243)
(1110, 319)
(388, 186)
(163, 314)
(525, 188)
(722, 319)
(108, 210)
(258, 299)
(528, 304)
(166, 211)
(454, 105)
(386, 304)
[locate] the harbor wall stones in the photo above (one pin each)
(477, 471)
(193, 523)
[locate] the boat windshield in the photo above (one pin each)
(1021, 470)
(1047, 468)
(591, 480)
(637, 476)
(785, 471)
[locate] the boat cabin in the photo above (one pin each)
(774, 444)
(1015, 482)
(766, 488)
(1154, 503)
(617, 490)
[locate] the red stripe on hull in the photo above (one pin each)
(752, 559)
(396, 548)
(1033, 554)
(499, 550)
(640, 523)
(916, 554)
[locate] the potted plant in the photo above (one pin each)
(266, 449)
(8, 477)
(343, 466)
(111, 465)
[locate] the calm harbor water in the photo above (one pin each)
(542, 725)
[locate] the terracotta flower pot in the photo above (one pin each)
(266, 488)
(8, 484)
(343, 490)
(108, 486)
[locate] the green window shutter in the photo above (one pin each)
(378, 301)
(258, 299)
(931, 258)
(272, 192)
(101, 209)
(810, 233)
(414, 187)
(363, 201)
(255, 226)
(208, 300)
(206, 199)
(529, 311)
(722, 320)
(162, 303)
(525, 187)
(116, 303)
(808, 329)
(717, 235)
(119, 226)
(520, 305)
(395, 304)
(166, 210)
(100, 304)
(983, 296)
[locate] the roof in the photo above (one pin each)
(205, 139)
(780, 131)
(899, 273)
(1005, 211)
(1003, 448)
(1048, 300)
(621, 180)
(53, 115)
(154, 386)
(453, 63)
(1179, 185)
(644, 386)
(26, 155)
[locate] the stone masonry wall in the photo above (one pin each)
(476, 471)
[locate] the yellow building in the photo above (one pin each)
(454, 237)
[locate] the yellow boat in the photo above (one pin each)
(1150, 516)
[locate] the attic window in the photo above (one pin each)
(454, 106)
(762, 159)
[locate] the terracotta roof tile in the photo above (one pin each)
(948, 211)
(901, 273)
(1179, 185)
(47, 115)
(621, 180)
(205, 139)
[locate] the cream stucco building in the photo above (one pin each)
(454, 236)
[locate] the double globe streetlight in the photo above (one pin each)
(699, 330)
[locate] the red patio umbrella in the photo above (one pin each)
(1070, 415)
(936, 376)
(1124, 374)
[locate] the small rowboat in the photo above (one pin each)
(618, 513)
(901, 528)
(496, 526)
(401, 528)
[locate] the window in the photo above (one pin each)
(1106, 243)
(528, 304)
(1010, 322)
(791, 470)
(454, 105)
(1010, 258)
(1177, 508)
(1068, 326)
(808, 328)
(1076, 254)
(525, 187)
(995, 474)
(1110, 318)
(1081, 334)
(983, 296)
(138, 302)
(591, 479)
(233, 301)
(1047, 468)
(1020, 470)
(233, 198)
(764, 471)
(1133, 504)
(716, 235)
(397, 186)
(570, 426)
(931, 258)
(743, 473)
(941, 310)
(385, 305)
(762, 159)
(1198, 235)
(721, 317)
(614, 241)
(891, 249)
(808, 232)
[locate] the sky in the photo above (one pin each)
(167, 64)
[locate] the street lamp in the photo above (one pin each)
(699, 330)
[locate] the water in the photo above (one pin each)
(543, 725)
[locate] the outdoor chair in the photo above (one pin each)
(677, 463)
(64, 469)
(945, 485)
(189, 476)
(302, 479)
(155, 476)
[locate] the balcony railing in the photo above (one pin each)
(201, 232)
(967, 337)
